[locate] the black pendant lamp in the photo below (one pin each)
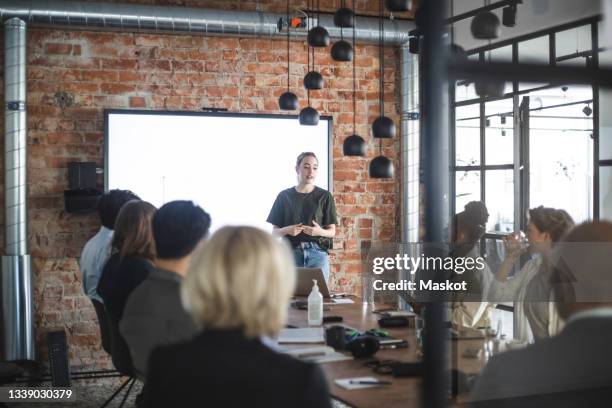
(318, 35)
(342, 50)
(489, 88)
(313, 79)
(309, 115)
(381, 167)
(344, 17)
(354, 145)
(485, 25)
(398, 5)
(383, 127)
(288, 100)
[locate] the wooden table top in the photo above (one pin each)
(403, 392)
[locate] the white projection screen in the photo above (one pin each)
(233, 165)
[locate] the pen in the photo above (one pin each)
(369, 382)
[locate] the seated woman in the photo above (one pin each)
(468, 308)
(535, 316)
(237, 290)
(132, 256)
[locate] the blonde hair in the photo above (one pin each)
(243, 278)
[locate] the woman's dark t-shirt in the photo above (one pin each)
(292, 207)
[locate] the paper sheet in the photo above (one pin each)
(346, 383)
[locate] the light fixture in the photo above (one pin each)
(354, 145)
(342, 51)
(344, 17)
(587, 110)
(309, 116)
(383, 127)
(288, 100)
(313, 80)
(381, 166)
(489, 88)
(318, 35)
(398, 5)
(509, 15)
(486, 25)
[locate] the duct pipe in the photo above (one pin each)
(18, 338)
(138, 17)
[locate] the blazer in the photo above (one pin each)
(154, 316)
(222, 368)
(119, 278)
(564, 370)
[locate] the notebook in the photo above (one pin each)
(303, 335)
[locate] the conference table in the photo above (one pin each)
(403, 392)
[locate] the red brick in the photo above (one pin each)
(137, 102)
(116, 88)
(59, 49)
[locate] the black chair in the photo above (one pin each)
(122, 360)
(103, 322)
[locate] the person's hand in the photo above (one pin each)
(294, 230)
(314, 231)
(513, 244)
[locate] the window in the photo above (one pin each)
(543, 153)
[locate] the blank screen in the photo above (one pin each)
(233, 166)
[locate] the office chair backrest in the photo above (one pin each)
(120, 353)
(103, 322)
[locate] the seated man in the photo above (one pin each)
(154, 314)
(573, 368)
(97, 250)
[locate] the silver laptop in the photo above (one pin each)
(304, 282)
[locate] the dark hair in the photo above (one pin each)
(471, 222)
(110, 203)
(551, 220)
(302, 156)
(133, 230)
(478, 212)
(178, 226)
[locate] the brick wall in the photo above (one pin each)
(123, 70)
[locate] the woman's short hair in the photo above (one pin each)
(554, 221)
(302, 156)
(133, 235)
(242, 278)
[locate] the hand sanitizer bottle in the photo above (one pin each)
(315, 306)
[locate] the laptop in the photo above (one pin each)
(304, 282)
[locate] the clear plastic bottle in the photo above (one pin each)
(315, 306)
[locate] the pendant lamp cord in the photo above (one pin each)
(308, 51)
(381, 66)
(354, 77)
(288, 35)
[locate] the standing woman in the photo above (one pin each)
(306, 216)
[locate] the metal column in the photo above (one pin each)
(17, 309)
(436, 173)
